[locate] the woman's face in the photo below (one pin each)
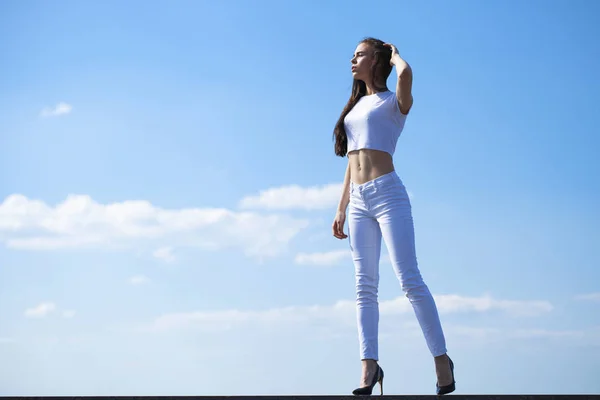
(362, 62)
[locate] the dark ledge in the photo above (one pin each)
(316, 397)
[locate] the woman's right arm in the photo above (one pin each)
(340, 215)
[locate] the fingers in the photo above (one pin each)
(338, 229)
(341, 228)
(334, 229)
(341, 234)
(391, 46)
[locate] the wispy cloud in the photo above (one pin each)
(588, 297)
(471, 332)
(138, 280)
(295, 197)
(45, 309)
(541, 333)
(165, 254)
(328, 258)
(342, 313)
(41, 310)
(517, 308)
(586, 336)
(332, 258)
(80, 222)
(58, 110)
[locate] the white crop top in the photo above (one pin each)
(375, 122)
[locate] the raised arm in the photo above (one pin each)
(404, 83)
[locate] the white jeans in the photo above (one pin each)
(381, 208)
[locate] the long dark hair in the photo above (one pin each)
(380, 70)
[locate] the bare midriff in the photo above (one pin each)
(367, 164)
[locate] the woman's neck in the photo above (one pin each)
(372, 89)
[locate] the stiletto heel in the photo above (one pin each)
(441, 390)
(367, 390)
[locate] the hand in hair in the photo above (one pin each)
(395, 52)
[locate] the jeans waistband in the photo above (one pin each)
(382, 180)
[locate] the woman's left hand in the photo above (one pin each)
(394, 52)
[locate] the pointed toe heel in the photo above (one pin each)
(442, 390)
(368, 390)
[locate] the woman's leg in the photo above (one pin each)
(394, 214)
(398, 233)
(365, 246)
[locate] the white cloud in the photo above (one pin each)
(46, 308)
(332, 257)
(471, 332)
(451, 303)
(41, 310)
(589, 336)
(342, 313)
(226, 319)
(295, 197)
(139, 280)
(325, 258)
(165, 254)
(589, 296)
(59, 109)
(80, 222)
(288, 197)
(545, 333)
(456, 303)
(6, 340)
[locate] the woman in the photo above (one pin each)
(379, 208)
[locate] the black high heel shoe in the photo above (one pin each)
(441, 390)
(367, 390)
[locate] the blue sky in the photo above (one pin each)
(168, 182)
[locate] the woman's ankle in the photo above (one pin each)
(369, 362)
